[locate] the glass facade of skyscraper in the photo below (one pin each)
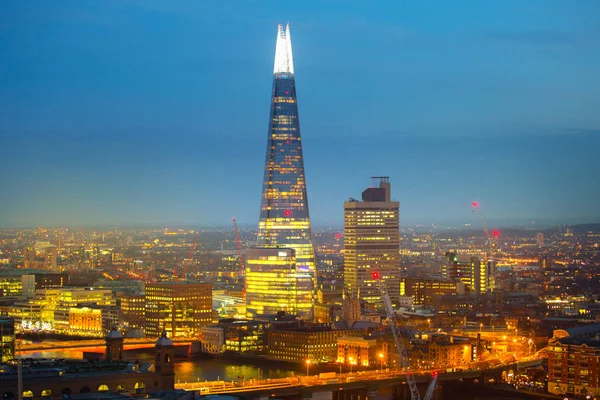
(271, 281)
(284, 218)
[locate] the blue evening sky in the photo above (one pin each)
(131, 112)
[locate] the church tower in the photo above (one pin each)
(114, 345)
(164, 362)
(351, 309)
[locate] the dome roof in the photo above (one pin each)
(164, 341)
(114, 334)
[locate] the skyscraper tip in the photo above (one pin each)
(284, 62)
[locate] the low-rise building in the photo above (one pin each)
(424, 291)
(363, 351)
(441, 351)
(213, 339)
(234, 336)
(574, 366)
(317, 343)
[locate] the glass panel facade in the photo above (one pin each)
(284, 218)
(271, 281)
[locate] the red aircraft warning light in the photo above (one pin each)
(287, 213)
(496, 233)
(475, 204)
(375, 275)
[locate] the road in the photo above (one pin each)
(128, 344)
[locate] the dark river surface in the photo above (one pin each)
(201, 369)
(196, 369)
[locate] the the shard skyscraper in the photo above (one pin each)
(284, 218)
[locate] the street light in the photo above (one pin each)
(381, 361)
(351, 360)
(307, 365)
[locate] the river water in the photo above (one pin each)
(193, 370)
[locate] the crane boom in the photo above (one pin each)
(404, 359)
(483, 224)
(189, 257)
(431, 387)
(490, 237)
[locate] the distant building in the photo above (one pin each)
(51, 261)
(37, 281)
(272, 282)
(234, 336)
(19, 282)
(180, 309)
(67, 310)
(477, 276)
(424, 291)
(483, 278)
(7, 338)
(441, 351)
(87, 321)
(457, 269)
(322, 310)
(10, 284)
(317, 343)
(351, 311)
(363, 351)
(372, 243)
(539, 239)
(133, 313)
(213, 339)
(29, 257)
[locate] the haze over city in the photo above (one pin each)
(127, 112)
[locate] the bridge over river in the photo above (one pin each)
(365, 385)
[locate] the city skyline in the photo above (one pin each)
(107, 124)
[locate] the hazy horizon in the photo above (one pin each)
(128, 112)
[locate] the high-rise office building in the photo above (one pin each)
(372, 243)
(180, 309)
(51, 262)
(284, 218)
(539, 238)
(477, 276)
(271, 282)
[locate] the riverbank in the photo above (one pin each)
(263, 360)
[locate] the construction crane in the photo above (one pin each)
(238, 242)
(189, 257)
(404, 359)
(489, 236)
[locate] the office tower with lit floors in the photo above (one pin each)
(372, 243)
(271, 282)
(284, 218)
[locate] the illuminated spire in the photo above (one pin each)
(284, 61)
